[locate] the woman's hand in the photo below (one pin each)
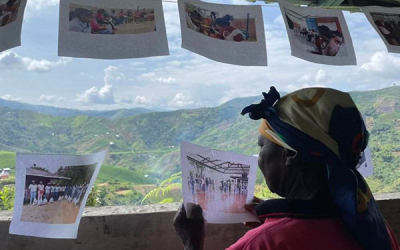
(192, 230)
(252, 209)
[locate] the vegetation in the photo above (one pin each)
(7, 195)
(144, 148)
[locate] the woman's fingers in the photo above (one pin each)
(250, 207)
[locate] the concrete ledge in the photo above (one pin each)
(146, 228)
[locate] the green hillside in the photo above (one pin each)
(147, 144)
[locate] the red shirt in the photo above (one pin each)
(95, 26)
(301, 234)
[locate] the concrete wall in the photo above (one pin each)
(145, 228)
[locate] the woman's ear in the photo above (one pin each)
(292, 158)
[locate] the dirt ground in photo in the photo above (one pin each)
(60, 212)
(218, 201)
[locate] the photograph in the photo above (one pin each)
(222, 26)
(206, 26)
(99, 20)
(220, 182)
(316, 34)
(129, 29)
(54, 195)
(388, 25)
(216, 185)
(8, 11)
(51, 193)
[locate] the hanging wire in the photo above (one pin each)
(267, 6)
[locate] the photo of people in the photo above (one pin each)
(220, 182)
(389, 26)
(54, 196)
(9, 11)
(221, 26)
(316, 35)
(96, 20)
(219, 186)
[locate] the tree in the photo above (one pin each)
(7, 195)
(165, 187)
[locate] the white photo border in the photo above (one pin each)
(60, 231)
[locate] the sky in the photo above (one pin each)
(33, 73)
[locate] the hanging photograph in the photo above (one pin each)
(112, 30)
(318, 35)
(220, 182)
(386, 21)
(11, 16)
(51, 193)
(225, 33)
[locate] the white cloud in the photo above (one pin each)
(165, 79)
(382, 62)
(51, 99)
(111, 73)
(305, 78)
(41, 4)
(10, 98)
(292, 87)
(147, 75)
(104, 95)
(125, 100)
(11, 60)
(322, 76)
(142, 100)
(180, 100)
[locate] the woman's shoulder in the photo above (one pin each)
(295, 234)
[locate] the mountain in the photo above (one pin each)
(65, 112)
(149, 142)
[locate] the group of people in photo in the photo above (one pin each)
(8, 11)
(216, 27)
(390, 29)
(199, 183)
(105, 22)
(41, 194)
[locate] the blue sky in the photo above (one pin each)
(33, 73)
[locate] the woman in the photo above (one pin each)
(227, 31)
(310, 143)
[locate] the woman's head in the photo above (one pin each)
(325, 32)
(289, 175)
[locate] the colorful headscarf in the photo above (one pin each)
(324, 125)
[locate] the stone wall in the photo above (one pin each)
(144, 228)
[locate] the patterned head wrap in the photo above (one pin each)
(324, 125)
